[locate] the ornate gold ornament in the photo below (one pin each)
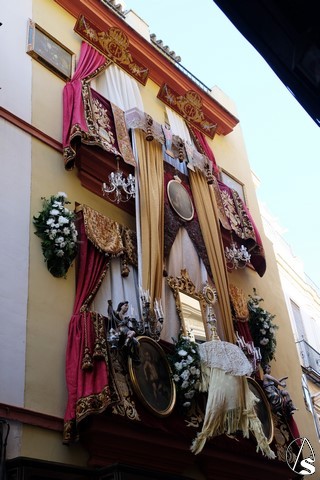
(189, 106)
(113, 44)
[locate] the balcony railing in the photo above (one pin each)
(310, 359)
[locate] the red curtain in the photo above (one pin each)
(88, 389)
(73, 114)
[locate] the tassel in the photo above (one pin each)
(98, 351)
(87, 362)
(149, 136)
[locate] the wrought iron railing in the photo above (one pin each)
(310, 358)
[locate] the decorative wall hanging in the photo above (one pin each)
(104, 126)
(110, 237)
(91, 385)
(238, 227)
(137, 119)
(173, 221)
(189, 106)
(113, 44)
(55, 226)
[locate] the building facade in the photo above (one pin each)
(302, 298)
(86, 92)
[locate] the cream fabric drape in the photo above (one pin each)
(118, 87)
(230, 408)
(117, 288)
(178, 125)
(151, 200)
(205, 203)
(183, 255)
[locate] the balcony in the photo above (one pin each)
(310, 361)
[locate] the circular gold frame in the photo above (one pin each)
(180, 200)
(262, 409)
(209, 294)
(152, 378)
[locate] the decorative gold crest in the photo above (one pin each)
(113, 44)
(189, 106)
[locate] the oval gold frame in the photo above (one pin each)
(159, 401)
(267, 421)
(185, 199)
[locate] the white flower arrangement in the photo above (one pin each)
(185, 365)
(262, 328)
(55, 226)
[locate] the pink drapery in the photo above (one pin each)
(73, 113)
(88, 390)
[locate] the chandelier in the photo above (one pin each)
(119, 189)
(237, 257)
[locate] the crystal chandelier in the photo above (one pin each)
(119, 189)
(237, 257)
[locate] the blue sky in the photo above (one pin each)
(282, 141)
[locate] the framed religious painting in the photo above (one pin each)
(152, 378)
(263, 409)
(50, 52)
(180, 200)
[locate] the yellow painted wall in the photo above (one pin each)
(47, 445)
(51, 299)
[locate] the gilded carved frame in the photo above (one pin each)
(205, 297)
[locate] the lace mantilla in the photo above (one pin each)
(225, 356)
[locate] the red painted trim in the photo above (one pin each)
(161, 69)
(28, 128)
(29, 417)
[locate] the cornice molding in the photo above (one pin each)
(28, 128)
(30, 417)
(161, 69)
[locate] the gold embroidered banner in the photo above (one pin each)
(189, 106)
(113, 44)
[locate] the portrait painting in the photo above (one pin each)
(262, 409)
(152, 379)
(180, 200)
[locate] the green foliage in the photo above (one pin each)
(262, 328)
(55, 226)
(185, 365)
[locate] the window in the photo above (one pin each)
(300, 331)
(231, 182)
